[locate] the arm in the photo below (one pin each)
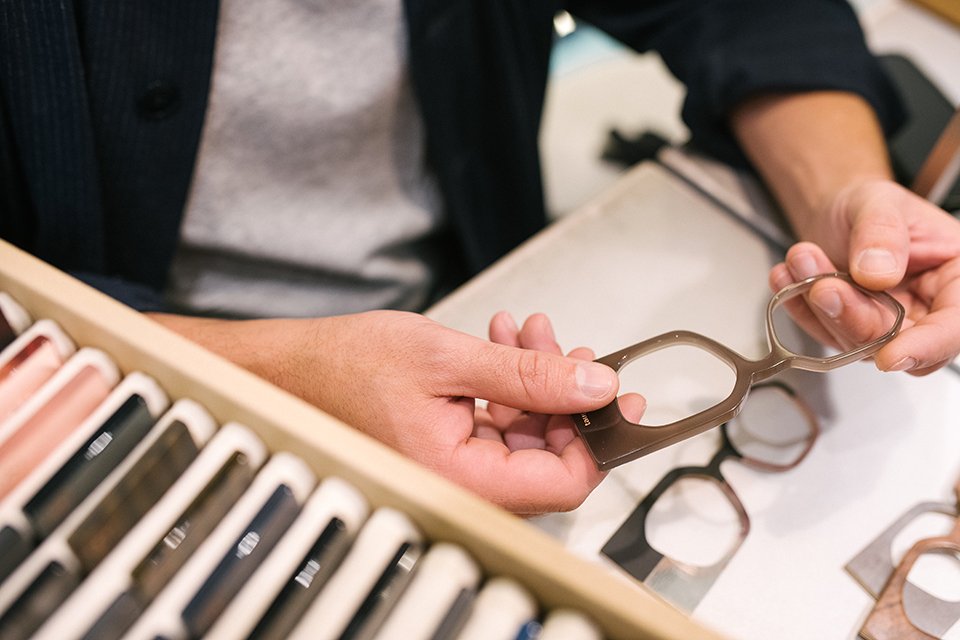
(824, 157)
(411, 383)
(728, 51)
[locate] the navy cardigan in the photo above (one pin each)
(102, 105)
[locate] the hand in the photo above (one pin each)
(412, 383)
(888, 239)
(521, 431)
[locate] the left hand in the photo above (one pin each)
(887, 238)
(519, 431)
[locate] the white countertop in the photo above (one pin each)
(652, 255)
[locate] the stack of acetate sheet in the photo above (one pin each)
(125, 513)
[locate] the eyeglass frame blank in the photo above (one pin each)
(613, 440)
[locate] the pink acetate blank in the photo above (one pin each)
(26, 372)
(25, 449)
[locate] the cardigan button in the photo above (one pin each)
(159, 101)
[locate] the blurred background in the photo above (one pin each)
(598, 85)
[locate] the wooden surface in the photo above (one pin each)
(502, 543)
(947, 9)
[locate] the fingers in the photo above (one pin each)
(528, 431)
(929, 338)
(529, 481)
(632, 406)
(537, 332)
(879, 237)
(541, 381)
(582, 353)
(832, 311)
(802, 261)
(561, 432)
(781, 277)
(519, 429)
(503, 330)
(933, 340)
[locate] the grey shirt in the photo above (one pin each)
(310, 195)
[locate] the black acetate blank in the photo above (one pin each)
(50, 588)
(134, 495)
(14, 547)
(89, 465)
(304, 585)
(384, 594)
(241, 560)
(197, 520)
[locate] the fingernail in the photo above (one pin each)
(827, 301)
(595, 380)
(904, 364)
(876, 262)
(803, 266)
(511, 323)
(549, 326)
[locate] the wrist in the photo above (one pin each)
(260, 346)
(832, 204)
(811, 148)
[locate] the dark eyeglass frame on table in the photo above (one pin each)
(613, 440)
(684, 584)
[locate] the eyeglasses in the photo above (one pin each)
(905, 611)
(613, 441)
(774, 433)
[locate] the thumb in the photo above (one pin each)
(879, 242)
(531, 380)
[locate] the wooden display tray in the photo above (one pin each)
(502, 543)
(947, 9)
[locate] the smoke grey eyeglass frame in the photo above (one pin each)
(612, 440)
(683, 584)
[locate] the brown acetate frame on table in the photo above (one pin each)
(612, 440)
(874, 565)
(889, 620)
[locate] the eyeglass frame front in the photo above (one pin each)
(613, 440)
